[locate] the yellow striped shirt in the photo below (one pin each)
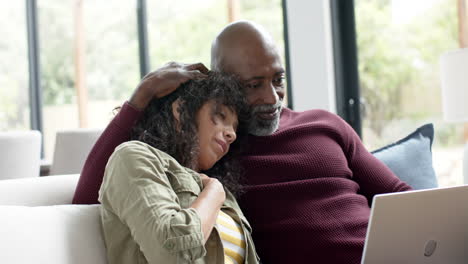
(232, 237)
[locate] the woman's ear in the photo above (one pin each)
(175, 110)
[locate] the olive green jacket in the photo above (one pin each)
(146, 216)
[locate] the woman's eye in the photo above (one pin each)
(222, 116)
(218, 117)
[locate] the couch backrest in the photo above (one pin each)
(20, 154)
(48, 190)
(38, 223)
(58, 234)
(71, 150)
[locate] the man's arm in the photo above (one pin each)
(117, 132)
(155, 84)
(372, 175)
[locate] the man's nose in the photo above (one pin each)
(269, 95)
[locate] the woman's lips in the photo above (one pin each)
(268, 115)
(223, 145)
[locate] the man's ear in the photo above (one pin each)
(175, 110)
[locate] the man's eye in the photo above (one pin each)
(254, 85)
(279, 80)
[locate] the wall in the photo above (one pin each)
(311, 54)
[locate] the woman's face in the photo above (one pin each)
(217, 125)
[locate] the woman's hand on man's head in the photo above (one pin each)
(164, 81)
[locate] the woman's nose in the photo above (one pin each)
(230, 135)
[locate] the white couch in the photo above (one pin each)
(20, 154)
(38, 224)
(71, 149)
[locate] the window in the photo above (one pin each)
(182, 31)
(268, 14)
(105, 71)
(14, 75)
(399, 45)
(89, 53)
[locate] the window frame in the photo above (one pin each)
(348, 99)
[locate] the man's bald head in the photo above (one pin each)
(246, 50)
(240, 38)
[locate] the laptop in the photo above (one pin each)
(423, 226)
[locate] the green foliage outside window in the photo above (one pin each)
(399, 66)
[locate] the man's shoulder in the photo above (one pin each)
(292, 117)
(321, 113)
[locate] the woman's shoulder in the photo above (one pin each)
(135, 154)
(140, 153)
(139, 149)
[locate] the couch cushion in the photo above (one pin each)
(61, 234)
(49, 190)
(20, 154)
(411, 158)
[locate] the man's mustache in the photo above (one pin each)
(267, 107)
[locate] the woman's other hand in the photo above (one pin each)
(214, 186)
(208, 203)
(164, 81)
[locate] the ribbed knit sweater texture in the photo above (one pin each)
(308, 186)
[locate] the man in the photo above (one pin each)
(309, 180)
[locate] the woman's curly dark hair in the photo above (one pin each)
(158, 127)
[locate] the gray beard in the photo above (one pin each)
(262, 127)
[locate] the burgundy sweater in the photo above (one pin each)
(116, 133)
(308, 186)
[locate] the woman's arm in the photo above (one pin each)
(209, 203)
(136, 188)
(157, 84)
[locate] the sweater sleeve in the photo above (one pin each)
(117, 132)
(372, 175)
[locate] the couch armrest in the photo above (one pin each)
(38, 191)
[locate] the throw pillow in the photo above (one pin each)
(51, 234)
(411, 158)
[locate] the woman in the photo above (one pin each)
(157, 205)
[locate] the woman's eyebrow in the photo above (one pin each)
(236, 119)
(235, 123)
